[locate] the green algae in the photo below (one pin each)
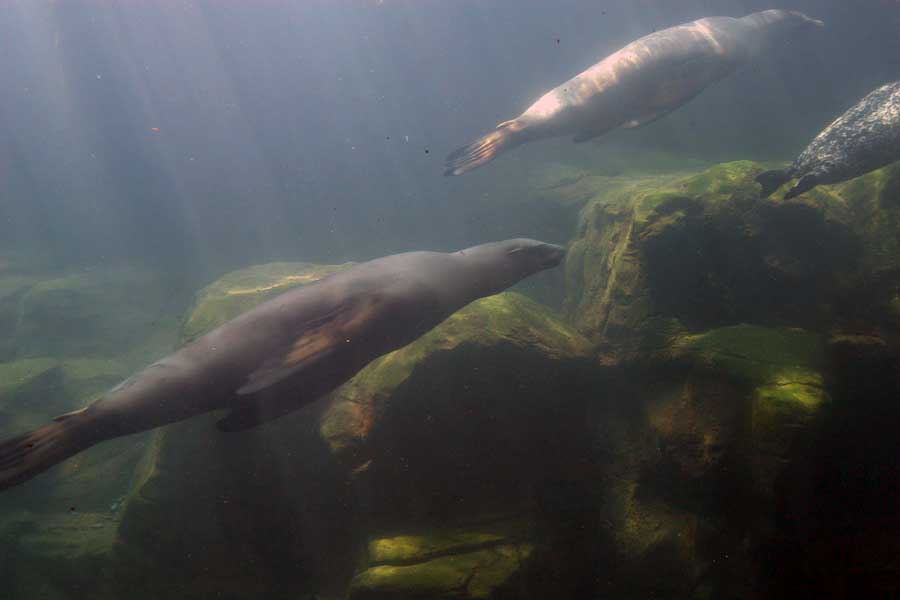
(507, 320)
(426, 545)
(476, 575)
(724, 182)
(756, 354)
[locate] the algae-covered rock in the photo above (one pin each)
(241, 290)
(694, 253)
(96, 311)
(472, 562)
(716, 439)
(485, 403)
(13, 287)
(26, 388)
(505, 345)
(210, 495)
(783, 372)
(56, 556)
(39, 389)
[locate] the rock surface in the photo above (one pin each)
(474, 562)
(713, 417)
(505, 360)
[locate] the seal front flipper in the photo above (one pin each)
(316, 340)
(319, 340)
(771, 181)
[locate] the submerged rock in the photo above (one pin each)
(666, 255)
(474, 413)
(239, 291)
(711, 309)
(465, 562)
(464, 356)
(90, 312)
(723, 362)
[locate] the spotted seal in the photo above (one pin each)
(863, 139)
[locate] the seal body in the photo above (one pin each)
(864, 138)
(638, 84)
(288, 351)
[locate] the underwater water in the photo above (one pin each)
(699, 400)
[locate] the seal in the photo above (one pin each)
(638, 84)
(286, 352)
(865, 138)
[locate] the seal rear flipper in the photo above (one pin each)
(772, 180)
(24, 456)
(485, 149)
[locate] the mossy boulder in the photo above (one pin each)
(715, 439)
(666, 255)
(26, 387)
(209, 495)
(780, 371)
(502, 334)
(39, 389)
(470, 562)
(67, 535)
(239, 291)
(90, 312)
(60, 556)
(461, 403)
(13, 287)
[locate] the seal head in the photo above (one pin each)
(509, 261)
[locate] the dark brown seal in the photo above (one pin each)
(638, 84)
(288, 351)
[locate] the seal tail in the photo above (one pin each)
(24, 456)
(772, 180)
(484, 149)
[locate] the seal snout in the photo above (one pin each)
(555, 255)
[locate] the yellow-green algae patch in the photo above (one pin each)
(755, 354)
(401, 549)
(468, 575)
(239, 291)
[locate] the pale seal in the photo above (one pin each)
(640, 83)
(286, 352)
(864, 138)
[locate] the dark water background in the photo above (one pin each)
(316, 130)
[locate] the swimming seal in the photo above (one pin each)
(288, 351)
(638, 84)
(864, 138)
